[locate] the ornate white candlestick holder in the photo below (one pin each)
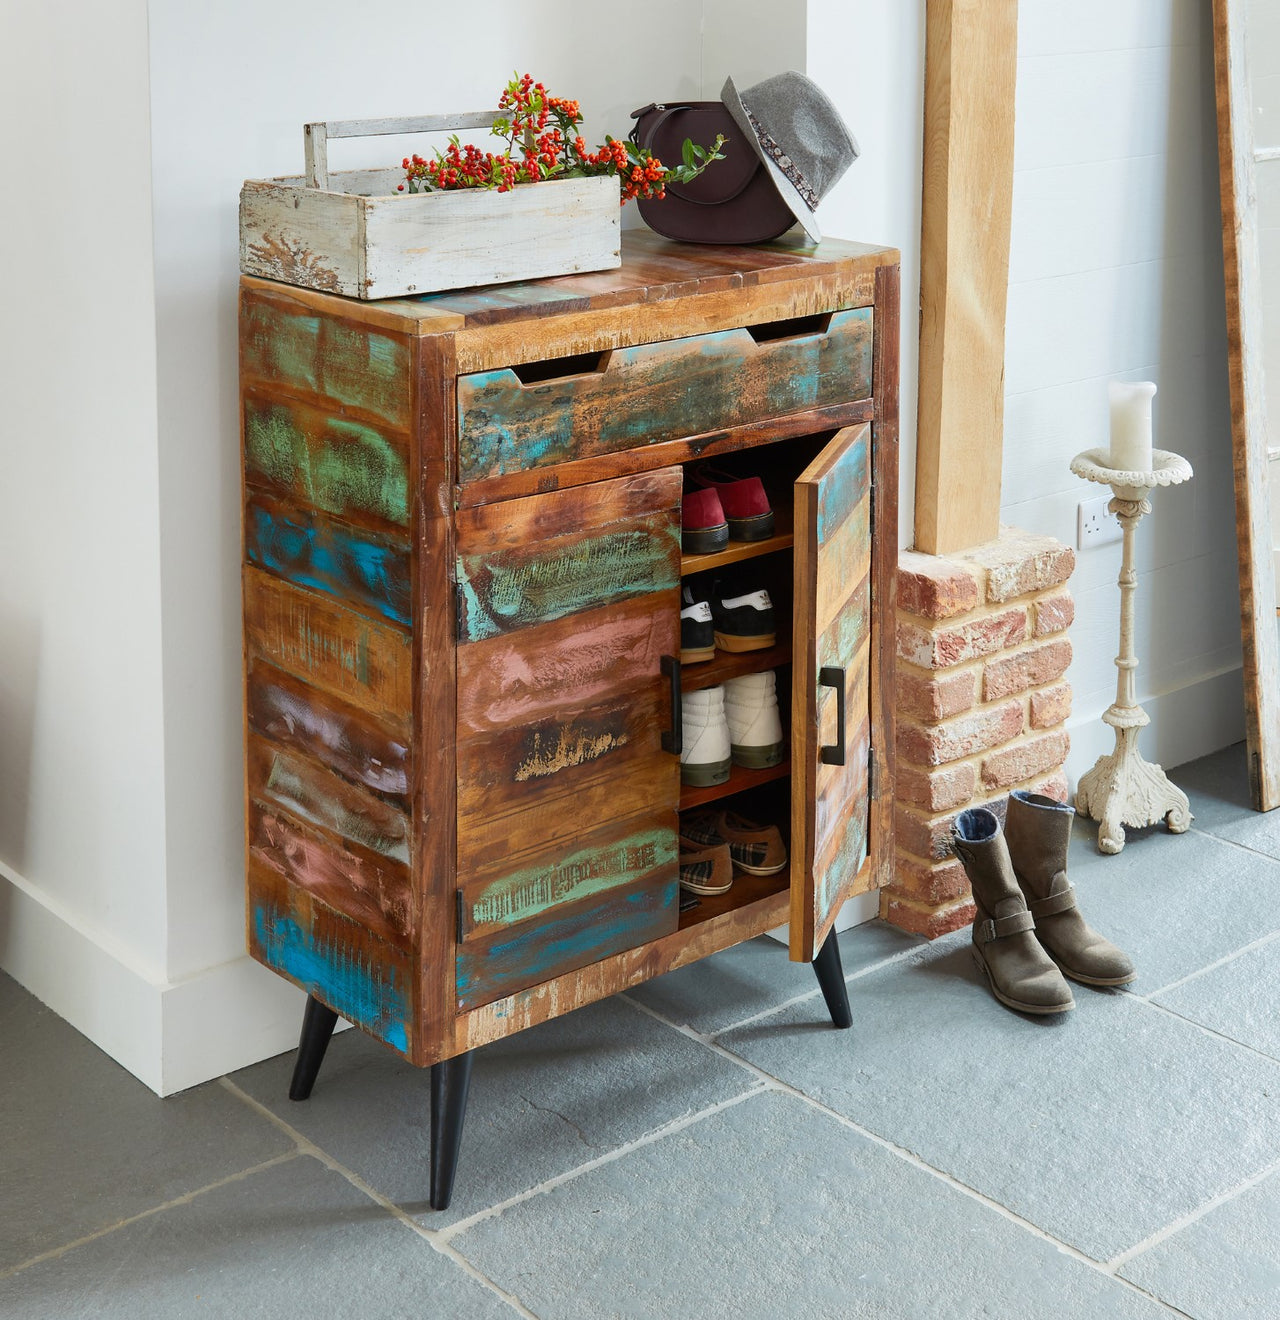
(1123, 789)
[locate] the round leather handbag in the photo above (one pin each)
(732, 201)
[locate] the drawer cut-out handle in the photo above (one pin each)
(833, 676)
(576, 364)
(798, 327)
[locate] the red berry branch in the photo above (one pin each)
(544, 142)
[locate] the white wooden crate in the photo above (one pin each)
(352, 233)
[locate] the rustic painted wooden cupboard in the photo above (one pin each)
(462, 575)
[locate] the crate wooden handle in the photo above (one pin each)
(315, 137)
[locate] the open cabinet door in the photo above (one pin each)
(831, 687)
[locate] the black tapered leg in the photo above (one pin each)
(830, 974)
(450, 1082)
(318, 1023)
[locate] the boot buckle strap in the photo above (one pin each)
(998, 927)
(1047, 907)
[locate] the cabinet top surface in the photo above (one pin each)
(653, 269)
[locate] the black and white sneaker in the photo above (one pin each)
(743, 622)
(697, 630)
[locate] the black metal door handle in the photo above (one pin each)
(833, 677)
(672, 739)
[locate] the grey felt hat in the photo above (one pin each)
(797, 132)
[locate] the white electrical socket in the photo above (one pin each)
(1094, 525)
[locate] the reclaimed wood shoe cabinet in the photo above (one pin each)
(462, 574)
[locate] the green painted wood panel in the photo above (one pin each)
(331, 463)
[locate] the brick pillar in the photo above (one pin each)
(981, 705)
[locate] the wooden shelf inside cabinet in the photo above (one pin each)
(782, 539)
(747, 889)
(738, 782)
(729, 664)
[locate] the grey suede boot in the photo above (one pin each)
(1038, 830)
(1019, 972)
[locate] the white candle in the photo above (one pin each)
(1131, 425)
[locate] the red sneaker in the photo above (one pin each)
(703, 528)
(743, 499)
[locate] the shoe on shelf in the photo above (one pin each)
(697, 629)
(755, 849)
(706, 758)
(745, 503)
(743, 622)
(755, 727)
(703, 527)
(705, 868)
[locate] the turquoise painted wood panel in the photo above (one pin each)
(845, 488)
(584, 933)
(653, 392)
(340, 466)
(334, 964)
(362, 569)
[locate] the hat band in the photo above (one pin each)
(784, 162)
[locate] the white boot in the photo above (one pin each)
(755, 728)
(706, 758)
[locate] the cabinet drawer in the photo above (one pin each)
(540, 414)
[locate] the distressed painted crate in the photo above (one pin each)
(352, 233)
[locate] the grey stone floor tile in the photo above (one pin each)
(1100, 1126)
(771, 1209)
(1174, 902)
(1218, 787)
(756, 976)
(292, 1240)
(85, 1144)
(1225, 1266)
(542, 1103)
(1237, 999)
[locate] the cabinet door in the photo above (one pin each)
(567, 603)
(831, 686)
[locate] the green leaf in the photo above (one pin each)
(688, 150)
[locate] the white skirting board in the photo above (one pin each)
(170, 1035)
(173, 1035)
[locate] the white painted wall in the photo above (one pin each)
(82, 792)
(1116, 272)
(869, 58)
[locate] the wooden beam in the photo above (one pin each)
(971, 53)
(1236, 171)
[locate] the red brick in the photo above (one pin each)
(1050, 706)
(938, 744)
(1007, 674)
(929, 882)
(926, 836)
(1019, 563)
(1054, 613)
(936, 790)
(920, 919)
(1055, 787)
(1025, 760)
(931, 587)
(940, 648)
(937, 697)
